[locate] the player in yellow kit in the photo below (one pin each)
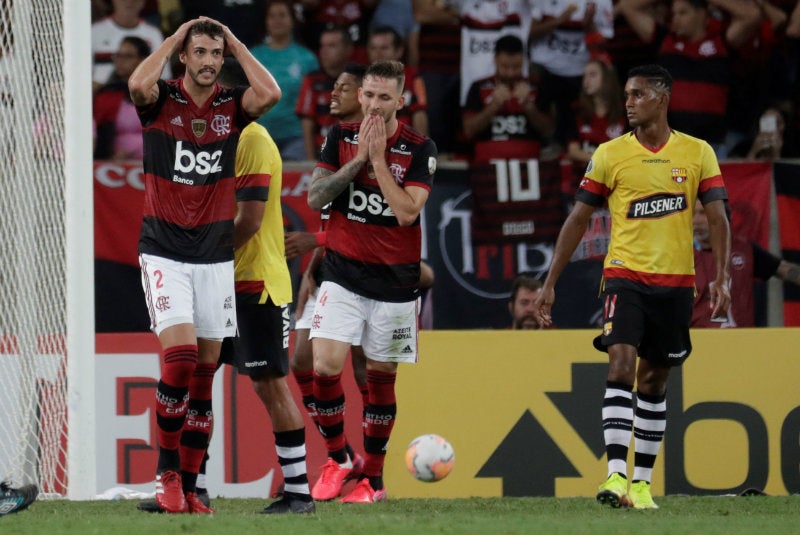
(651, 178)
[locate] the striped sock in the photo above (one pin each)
(617, 425)
(291, 449)
(648, 433)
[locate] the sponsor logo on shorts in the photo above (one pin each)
(228, 303)
(402, 334)
(315, 321)
(677, 355)
(608, 327)
(406, 350)
(287, 325)
(255, 364)
(229, 323)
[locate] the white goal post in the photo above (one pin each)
(47, 356)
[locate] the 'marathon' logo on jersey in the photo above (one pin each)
(657, 206)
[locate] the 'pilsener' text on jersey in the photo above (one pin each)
(651, 196)
(189, 157)
(368, 252)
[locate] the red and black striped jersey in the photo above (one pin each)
(189, 160)
(701, 77)
(368, 252)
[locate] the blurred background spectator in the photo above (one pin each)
(439, 59)
(770, 140)
(245, 18)
(482, 24)
(119, 131)
(314, 100)
(399, 15)
(289, 62)
(385, 43)
(563, 36)
(108, 32)
(599, 117)
(501, 116)
(525, 288)
(695, 50)
(352, 15)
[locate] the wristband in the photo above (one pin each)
(321, 238)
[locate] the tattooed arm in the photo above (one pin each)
(327, 185)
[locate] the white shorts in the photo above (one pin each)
(304, 321)
(389, 332)
(200, 294)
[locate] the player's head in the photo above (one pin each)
(381, 91)
(508, 59)
(202, 52)
(344, 97)
(385, 43)
(524, 290)
(647, 93)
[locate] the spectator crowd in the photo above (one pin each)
(551, 97)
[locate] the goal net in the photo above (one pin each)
(34, 254)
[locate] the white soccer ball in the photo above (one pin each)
(430, 458)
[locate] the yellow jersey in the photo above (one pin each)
(651, 195)
(260, 264)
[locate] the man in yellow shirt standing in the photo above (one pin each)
(651, 178)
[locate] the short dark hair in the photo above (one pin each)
(142, 48)
(508, 44)
(357, 70)
(656, 75)
(204, 27)
(397, 39)
(526, 279)
(388, 69)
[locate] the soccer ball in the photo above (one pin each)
(430, 458)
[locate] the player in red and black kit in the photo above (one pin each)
(377, 175)
(191, 130)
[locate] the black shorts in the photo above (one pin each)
(262, 344)
(656, 324)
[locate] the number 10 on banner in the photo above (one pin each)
(510, 181)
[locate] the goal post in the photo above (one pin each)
(79, 201)
(47, 356)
